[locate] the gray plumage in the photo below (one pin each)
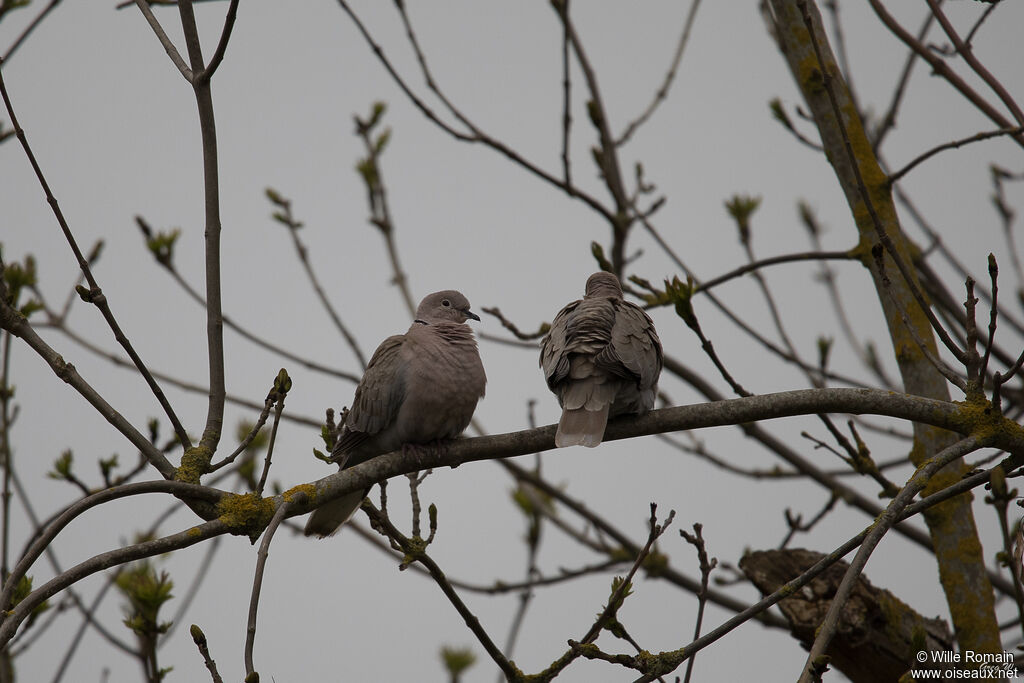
(419, 387)
(601, 358)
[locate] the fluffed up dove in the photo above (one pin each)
(419, 387)
(601, 358)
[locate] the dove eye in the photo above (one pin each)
(446, 303)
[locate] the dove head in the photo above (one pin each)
(602, 284)
(446, 306)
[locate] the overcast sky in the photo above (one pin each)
(114, 127)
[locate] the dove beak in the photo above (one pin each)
(471, 315)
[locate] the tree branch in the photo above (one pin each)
(874, 535)
(94, 295)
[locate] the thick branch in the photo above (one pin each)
(868, 193)
(964, 419)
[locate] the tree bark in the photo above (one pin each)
(878, 637)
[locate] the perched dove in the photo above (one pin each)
(601, 358)
(419, 387)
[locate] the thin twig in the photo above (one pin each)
(1007, 217)
(981, 20)
(293, 226)
(940, 366)
(733, 317)
(696, 539)
(13, 322)
(6, 452)
(778, 111)
(743, 223)
(199, 638)
(257, 582)
(418, 554)
(380, 213)
(161, 35)
(756, 264)
(222, 44)
(605, 154)
(268, 405)
(993, 271)
(796, 522)
(955, 144)
(839, 38)
(662, 92)
(270, 447)
(939, 67)
(184, 386)
(888, 121)
(656, 530)
(828, 277)
(666, 573)
(566, 102)
(476, 136)
(965, 51)
(38, 19)
(535, 510)
(1000, 499)
(230, 323)
(94, 295)
(939, 244)
(542, 329)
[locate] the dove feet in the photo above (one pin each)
(424, 454)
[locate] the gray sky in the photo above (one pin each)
(114, 127)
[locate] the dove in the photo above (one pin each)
(419, 387)
(601, 358)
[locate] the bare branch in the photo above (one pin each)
(285, 217)
(511, 326)
(257, 582)
(965, 51)
(566, 100)
(662, 92)
(244, 332)
(29, 29)
(94, 295)
(138, 551)
(940, 67)
(756, 264)
(874, 534)
(172, 51)
(696, 539)
(417, 554)
(17, 325)
(46, 536)
(222, 45)
(199, 638)
(888, 121)
(955, 144)
(476, 136)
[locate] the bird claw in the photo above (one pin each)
(420, 453)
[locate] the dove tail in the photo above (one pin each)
(581, 427)
(327, 519)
